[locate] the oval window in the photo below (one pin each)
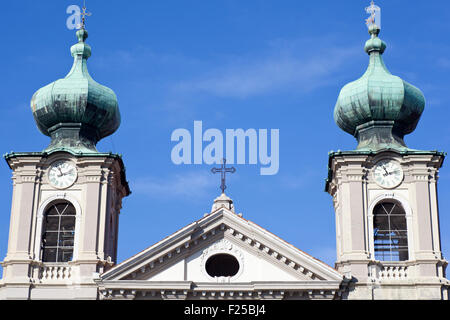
(222, 265)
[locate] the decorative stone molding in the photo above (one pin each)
(359, 177)
(274, 254)
(164, 258)
(195, 293)
(222, 246)
(22, 178)
(420, 177)
(93, 178)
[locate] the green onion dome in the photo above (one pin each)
(379, 109)
(76, 112)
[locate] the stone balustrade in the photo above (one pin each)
(389, 271)
(393, 272)
(55, 272)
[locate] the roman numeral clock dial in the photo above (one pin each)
(62, 174)
(388, 174)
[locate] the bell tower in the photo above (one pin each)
(384, 193)
(66, 199)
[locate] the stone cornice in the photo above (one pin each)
(35, 164)
(192, 290)
(422, 165)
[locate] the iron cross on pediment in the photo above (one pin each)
(223, 171)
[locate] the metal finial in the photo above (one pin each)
(375, 15)
(84, 14)
(223, 171)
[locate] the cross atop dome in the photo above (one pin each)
(378, 109)
(76, 112)
(83, 15)
(375, 15)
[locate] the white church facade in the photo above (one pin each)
(67, 199)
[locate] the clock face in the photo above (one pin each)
(62, 174)
(388, 174)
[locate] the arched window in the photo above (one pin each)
(58, 232)
(390, 232)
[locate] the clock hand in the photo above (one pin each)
(67, 172)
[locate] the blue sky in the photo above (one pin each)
(231, 64)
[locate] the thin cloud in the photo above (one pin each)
(302, 65)
(444, 63)
(245, 77)
(192, 185)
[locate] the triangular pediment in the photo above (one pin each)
(222, 231)
(262, 259)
